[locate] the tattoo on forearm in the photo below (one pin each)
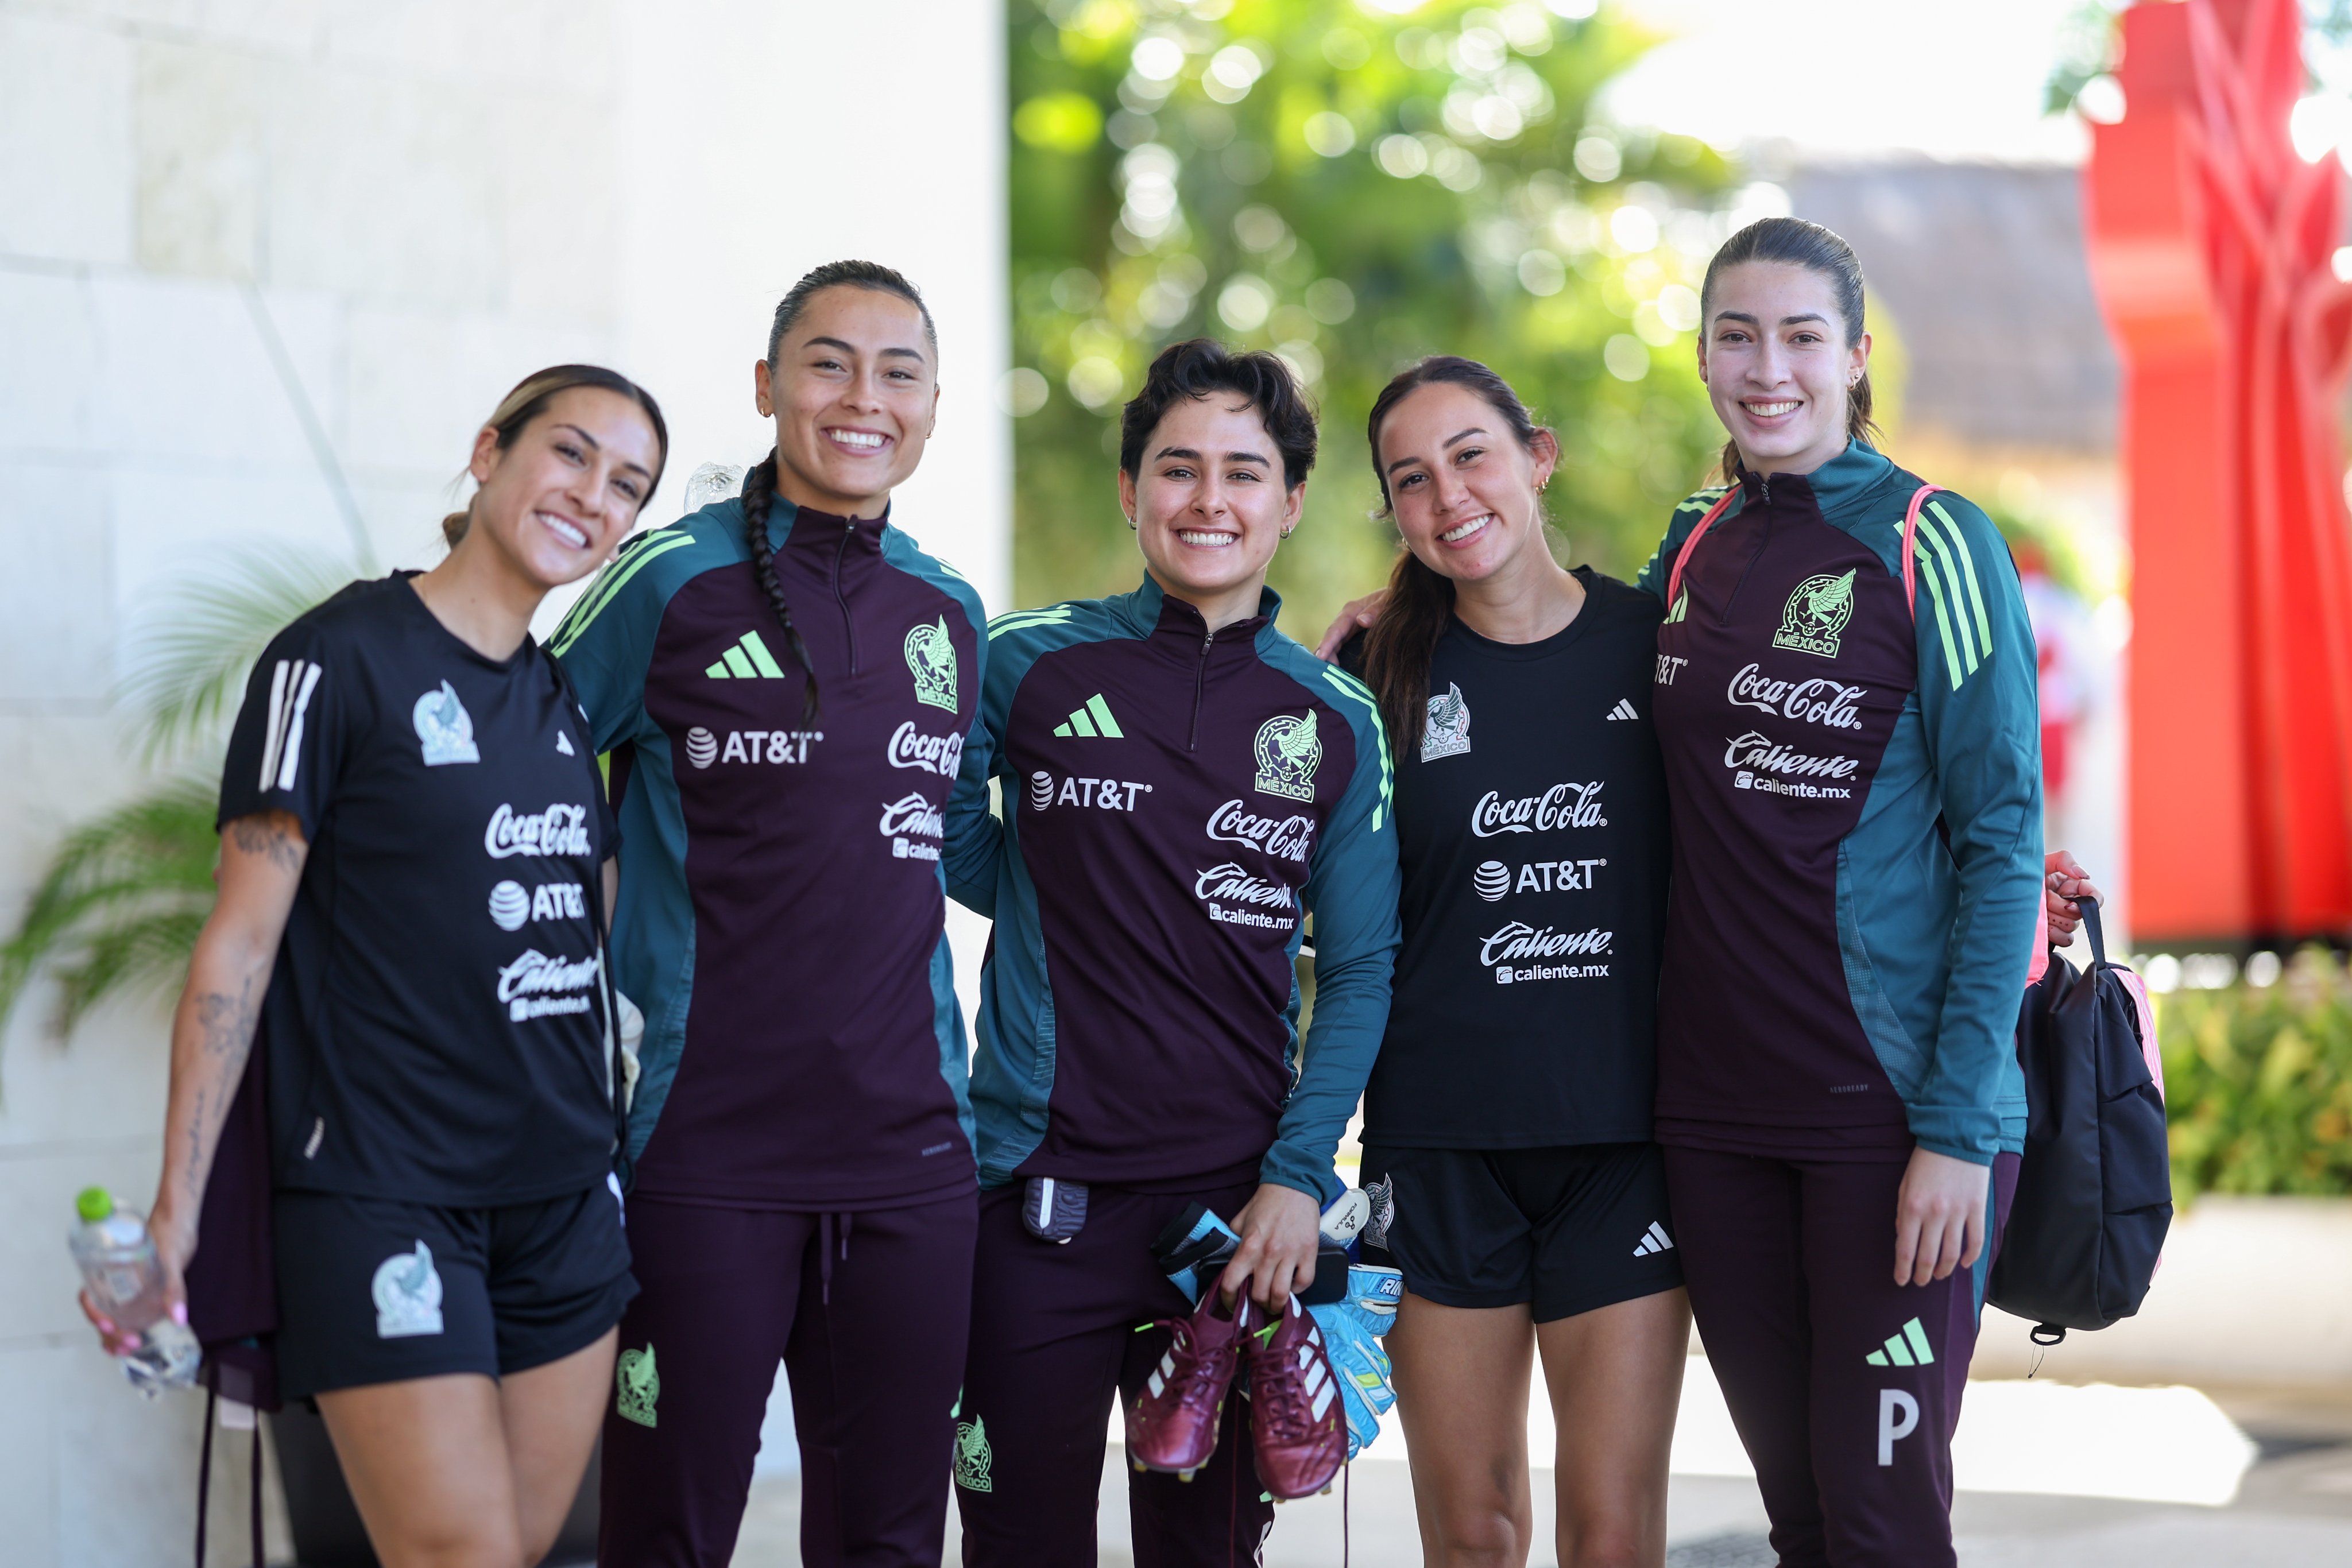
(264, 834)
(224, 1025)
(226, 1022)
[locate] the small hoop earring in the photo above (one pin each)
(1287, 532)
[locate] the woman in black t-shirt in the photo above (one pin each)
(1506, 1139)
(413, 833)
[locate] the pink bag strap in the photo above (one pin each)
(1682, 557)
(1910, 534)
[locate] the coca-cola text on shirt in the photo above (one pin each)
(1561, 806)
(1284, 838)
(558, 831)
(1830, 704)
(940, 754)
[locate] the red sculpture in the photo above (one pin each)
(2211, 245)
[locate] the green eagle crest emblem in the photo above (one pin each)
(931, 659)
(973, 1457)
(1816, 613)
(1288, 751)
(639, 1386)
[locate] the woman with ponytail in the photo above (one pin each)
(413, 847)
(1506, 1125)
(1846, 704)
(783, 684)
(1844, 699)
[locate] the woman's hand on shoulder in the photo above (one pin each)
(2063, 884)
(1358, 614)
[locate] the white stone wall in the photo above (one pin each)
(264, 265)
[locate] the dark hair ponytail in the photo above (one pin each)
(529, 398)
(1401, 642)
(1793, 242)
(758, 498)
(759, 484)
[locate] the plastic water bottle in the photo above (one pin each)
(126, 1283)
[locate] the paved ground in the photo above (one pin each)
(2293, 1510)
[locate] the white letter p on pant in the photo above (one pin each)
(1890, 1401)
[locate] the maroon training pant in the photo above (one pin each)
(868, 1313)
(1846, 1386)
(1053, 1336)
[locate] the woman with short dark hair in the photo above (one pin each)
(1183, 787)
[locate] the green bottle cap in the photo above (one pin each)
(94, 1204)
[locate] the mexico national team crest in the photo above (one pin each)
(1288, 751)
(1817, 612)
(973, 1457)
(1447, 733)
(931, 658)
(636, 1386)
(444, 727)
(407, 1292)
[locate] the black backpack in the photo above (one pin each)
(2095, 1191)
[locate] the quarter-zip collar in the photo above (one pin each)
(840, 551)
(1181, 633)
(1839, 487)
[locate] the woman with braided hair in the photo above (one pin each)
(784, 683)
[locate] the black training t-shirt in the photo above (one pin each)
(435, 1032)
(1531, 820)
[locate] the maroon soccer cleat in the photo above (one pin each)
(1173, 1424)
(1297, 1424)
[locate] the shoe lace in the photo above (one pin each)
(1278, 1394)
(1195, 1381)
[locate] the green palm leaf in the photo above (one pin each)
(188, 660)
(118, 908)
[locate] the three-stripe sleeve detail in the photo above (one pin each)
(610, 582)
(1018, 620)
(1349, 686)
(1948, 570)
(290, 685)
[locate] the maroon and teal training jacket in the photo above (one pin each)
(1177, 806)
(782, 898)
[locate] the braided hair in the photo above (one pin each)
(759, 484)
(758, 496)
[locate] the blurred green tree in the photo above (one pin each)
(1352, 183)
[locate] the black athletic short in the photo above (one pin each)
(1562, 1230)
(376, 1291)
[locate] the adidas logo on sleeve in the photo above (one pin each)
(1654, 1240)
(1624, 709)
(1092, 720)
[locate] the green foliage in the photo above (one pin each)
(2259, 1083)
(189, 660)
(117, 910)
(1353, 189)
